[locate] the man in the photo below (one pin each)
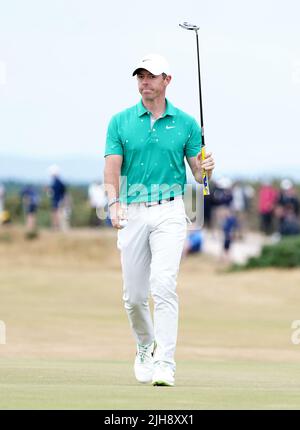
(146, 146)
(97, 200)
(267, 199)
(58, 194)
(30, 199)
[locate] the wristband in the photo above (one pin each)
(113, 201)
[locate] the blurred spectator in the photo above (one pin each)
(267, 199)
(57, 193)
(98, 201)
(4, 214)
(288, 196)
(30, 200)
(194, 241)
(222, 199)
(66, 212)
(223, 192)
(241, 198)
(5, 217)
(288, 208)
(2, 198)
(289, 224)
(250, 193)
(209, 206)
(229, 228)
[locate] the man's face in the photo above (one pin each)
(151, 86)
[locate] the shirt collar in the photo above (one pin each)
(141, 110)
(170, 109)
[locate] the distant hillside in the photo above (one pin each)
(86, 169)
(77, 169)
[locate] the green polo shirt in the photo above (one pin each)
(153, 165)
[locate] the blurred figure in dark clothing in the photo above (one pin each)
(230, 227)
(222, 199)
(288, 196)
(288, 208)
(30, 200)
(57, 194)
(222, 193)
(209, 206)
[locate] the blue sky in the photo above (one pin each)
(65, 69)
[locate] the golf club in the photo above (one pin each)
(195, 28)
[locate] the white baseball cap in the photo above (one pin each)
(154, 63)
(224, 182)
(286, 184)
(54, 170)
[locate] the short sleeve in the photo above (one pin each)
(193, 144)
(113, 144)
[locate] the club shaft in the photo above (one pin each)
(200, 92)
(204, 174)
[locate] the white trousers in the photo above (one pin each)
(151, 247)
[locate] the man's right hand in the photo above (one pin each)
(116, 214)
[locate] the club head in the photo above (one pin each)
(188, 26)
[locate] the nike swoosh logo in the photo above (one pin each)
(170, 126)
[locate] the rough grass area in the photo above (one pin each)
(285, 254)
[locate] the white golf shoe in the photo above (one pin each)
(163, 375)
(143, 364)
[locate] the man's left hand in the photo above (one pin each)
(208, 164)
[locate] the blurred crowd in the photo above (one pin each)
(279, 208)
(230, 211)
(30, 198)
(226, 215)
(232, 208)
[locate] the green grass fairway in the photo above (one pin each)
(69, 344)
(87, 384)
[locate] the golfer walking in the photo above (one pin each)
(145, 173)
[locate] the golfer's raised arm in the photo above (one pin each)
(192, 162)
(197, 165)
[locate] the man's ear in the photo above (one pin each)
(168, 79)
